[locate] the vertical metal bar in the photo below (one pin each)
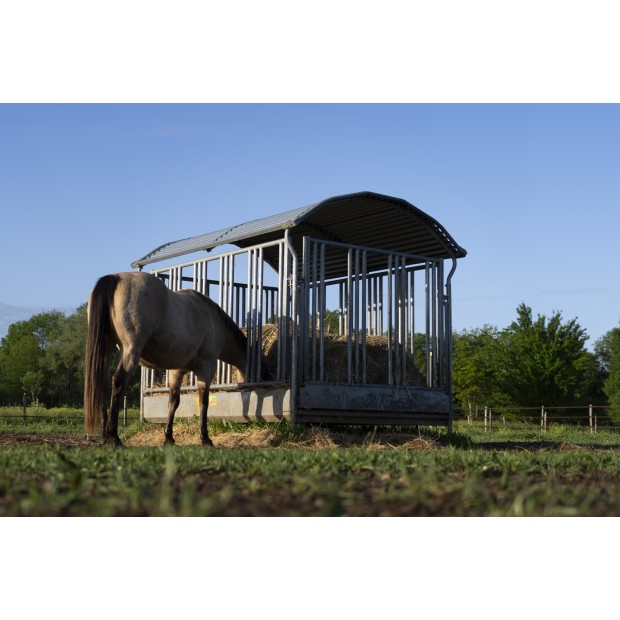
(434, 324)
(230, 279)
(294, 313)
(242, 305)
(404, 317)
(365, 312)
(389, 319)
(356, 288)
(427, 341)
(341, 308)
(287, 304)
(449, 339)
(380, 306)
(412, 313)
(220, 301)
(255, 318)
(237, 305)
(280, 320)
(143, 381)
(440, 326)
(371, 306)
(349, 315)
(375, 296)
(397, 321)
(314, 306)
(323, 309)
(248, 313)
(305, 311)
(231, 285)
(259, 315)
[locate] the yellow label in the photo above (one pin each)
(212, 401)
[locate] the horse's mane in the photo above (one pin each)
(229, 324)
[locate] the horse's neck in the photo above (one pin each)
(234, 351)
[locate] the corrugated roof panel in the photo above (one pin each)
(364, 218)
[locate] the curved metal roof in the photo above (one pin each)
(363, 218)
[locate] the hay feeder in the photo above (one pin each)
(348, 302)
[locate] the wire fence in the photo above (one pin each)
(589, 417)
(28, 413)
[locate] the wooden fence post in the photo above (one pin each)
(25, 404)
(590, 418)
(543, 419)
(486, 414)
(125, 411)
(490, 419)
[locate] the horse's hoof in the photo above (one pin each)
(115, 442)
(207, 443)
(169, 441)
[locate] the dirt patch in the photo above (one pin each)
(57, 440)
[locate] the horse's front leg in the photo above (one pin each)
(204, 376)
(203, 403)
(175, 379)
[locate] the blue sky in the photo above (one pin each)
(532, 192)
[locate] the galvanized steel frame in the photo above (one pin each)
(382, 301)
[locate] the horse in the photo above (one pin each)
(152, 326)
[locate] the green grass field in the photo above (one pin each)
(49, 468)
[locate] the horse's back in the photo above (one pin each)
(140, 303)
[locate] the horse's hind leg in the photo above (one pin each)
(175, 379)
(126, 367)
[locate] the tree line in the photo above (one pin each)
(43, 357)
(534, 361)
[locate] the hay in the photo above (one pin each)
(336, 358)
(313, 438)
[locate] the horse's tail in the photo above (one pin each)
(95, 365)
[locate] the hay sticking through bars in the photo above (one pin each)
(336, 358)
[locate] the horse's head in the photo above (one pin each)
(265, 375)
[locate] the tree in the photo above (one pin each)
(19, 354)
(64, 360)
(544, 361)
(607, 350)
(474, 369)
(32, 384)
(23, 351)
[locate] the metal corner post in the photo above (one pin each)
(294, 293)
(448, 320)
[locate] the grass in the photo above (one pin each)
(51, 470)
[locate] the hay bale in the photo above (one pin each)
(336, 358)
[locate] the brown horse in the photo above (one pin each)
(154, 327)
